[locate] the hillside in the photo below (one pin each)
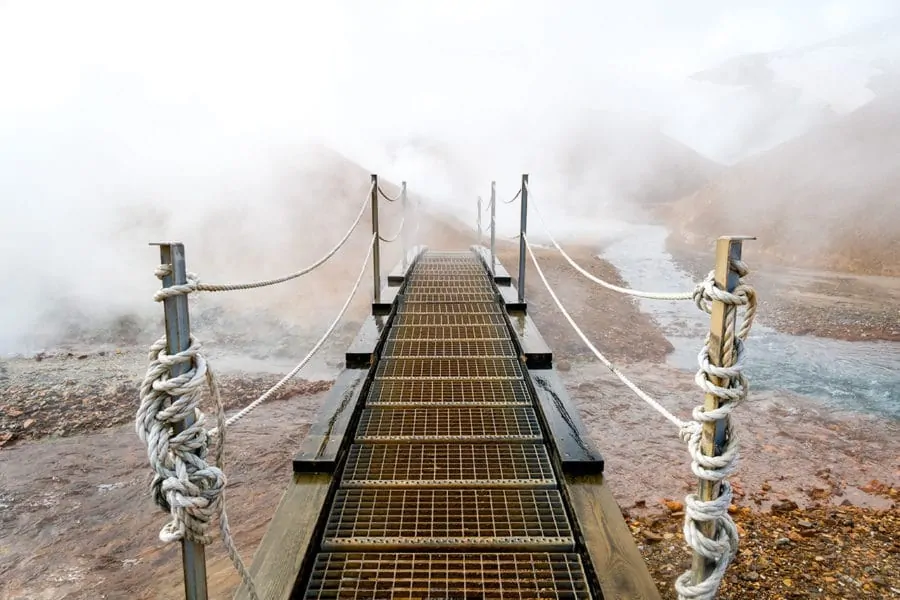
(827, 199)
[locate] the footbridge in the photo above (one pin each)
(447, 460)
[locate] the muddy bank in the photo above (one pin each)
(78, 521)
(798, 301)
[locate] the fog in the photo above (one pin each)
(126, 123)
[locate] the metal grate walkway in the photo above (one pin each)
(448, 490)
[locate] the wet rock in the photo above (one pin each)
(783, 506)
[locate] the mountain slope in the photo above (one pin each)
(827, 199)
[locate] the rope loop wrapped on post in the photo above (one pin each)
(195, 285)
(723, 548)
(185, 484)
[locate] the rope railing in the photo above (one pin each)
(187, 483)
(597, 280)
(388, 197)
(194, 284)
(396, 236)
(711, 439)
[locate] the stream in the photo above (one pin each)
(857, 376)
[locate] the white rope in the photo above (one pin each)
(514, 198)
(185, 484)
(643, 395)
(193, 284)
(396, 235)
(723, 548)
(389, 198)
(597, 280)
(318, 345)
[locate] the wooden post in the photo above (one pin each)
(713, 437)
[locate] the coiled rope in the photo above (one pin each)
(185, 484)
(194, 284)
(597, 280)
(723, 548)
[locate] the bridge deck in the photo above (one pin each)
(453, 483)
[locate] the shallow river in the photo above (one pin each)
(861, 376)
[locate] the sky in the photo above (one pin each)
(107, 105)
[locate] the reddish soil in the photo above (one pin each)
(78, 521)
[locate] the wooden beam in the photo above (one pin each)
(284, 548)
(616, 561)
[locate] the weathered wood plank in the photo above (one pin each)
(283, 549)
(537, 353)
(511, 299)
(361, 354)
(571, 441)
(617, 563)
(501, 275)
(320, 448)
(386, 304)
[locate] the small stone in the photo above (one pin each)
(782, 542)
(750, 576)
(651, 536)
(674, 506)
(783, 506)
(28, 423)
(805, 524)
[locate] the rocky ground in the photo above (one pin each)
(816, 491)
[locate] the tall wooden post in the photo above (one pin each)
(713, 437)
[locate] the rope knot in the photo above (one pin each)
(192, 285)
(184, 484)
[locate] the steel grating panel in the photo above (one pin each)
(449, 368)
(420, 576)
(473, 279)
(448, 465)
(436, 392)
(447, 320)
(440, 518)
(450, 297)
(446, 285)
(427, 308)
(445, 424)
(449, 349)
(449, 333)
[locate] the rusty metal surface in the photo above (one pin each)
(449, 332)
(448, 392)
(420, 576)
(447, 518)
(474, 369)
(449, 349)
(448, 465)
(440, 424)
(448, 456)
